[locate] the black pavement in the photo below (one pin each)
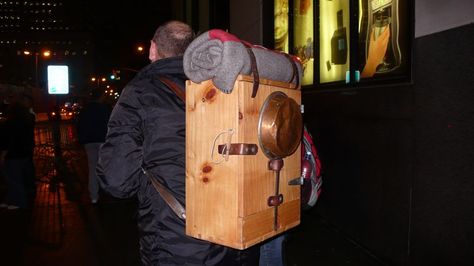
(64, 228)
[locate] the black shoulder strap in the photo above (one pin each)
(174, 87)
(166, 195)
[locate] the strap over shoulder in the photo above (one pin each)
(174, 87)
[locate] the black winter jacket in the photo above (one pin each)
(92, 123)
(18, 133)
(147, 129)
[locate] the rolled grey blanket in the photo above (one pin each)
(221, 56)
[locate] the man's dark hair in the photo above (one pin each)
(172, 38)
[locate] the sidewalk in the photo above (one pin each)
(64, 228)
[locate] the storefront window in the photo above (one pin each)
(303, 38)
(281, 25)
(334, 40)
(382, 38)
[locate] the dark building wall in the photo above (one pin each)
(443, 184)
(245, 19)
(397, 159)
(366, 144)
(398, 176)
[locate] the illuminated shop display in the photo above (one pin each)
(303, 37)
(334, 38)
(382, 37)
(281, 25)
(320, 34)
(383, 22)
(303, 33)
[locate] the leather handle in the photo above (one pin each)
(239, 149)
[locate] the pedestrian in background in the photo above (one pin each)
(16, 153)
(147, 130)
(91, 131)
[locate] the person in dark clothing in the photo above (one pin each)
(16, 153)
(147, 130)
(91, 131)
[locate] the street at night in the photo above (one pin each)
(209, 132)
(64, 228)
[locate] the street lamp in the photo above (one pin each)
(45, 54)
(98, 80)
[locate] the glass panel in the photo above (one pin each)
(382, 37)
(334, 40)
(281, 25)
(304, 37)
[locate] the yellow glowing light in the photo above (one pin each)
(281, 25)
(26, 52)
(328, 10)
(46, 53)
(303, 37)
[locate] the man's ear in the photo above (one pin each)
(152, 53)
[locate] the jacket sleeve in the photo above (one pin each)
(120, 157)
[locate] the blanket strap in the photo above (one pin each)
(253, 65)
(295, 70)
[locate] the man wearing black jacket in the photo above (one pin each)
(91, 131)
(147, 130)
(16, 153)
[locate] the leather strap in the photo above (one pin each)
(174, 204)
(254, 69)
(174, 87)
(239, 149)
(295, 70)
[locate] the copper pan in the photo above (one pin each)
(280, 126)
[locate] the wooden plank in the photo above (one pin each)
(209, 186)
(259, 227)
